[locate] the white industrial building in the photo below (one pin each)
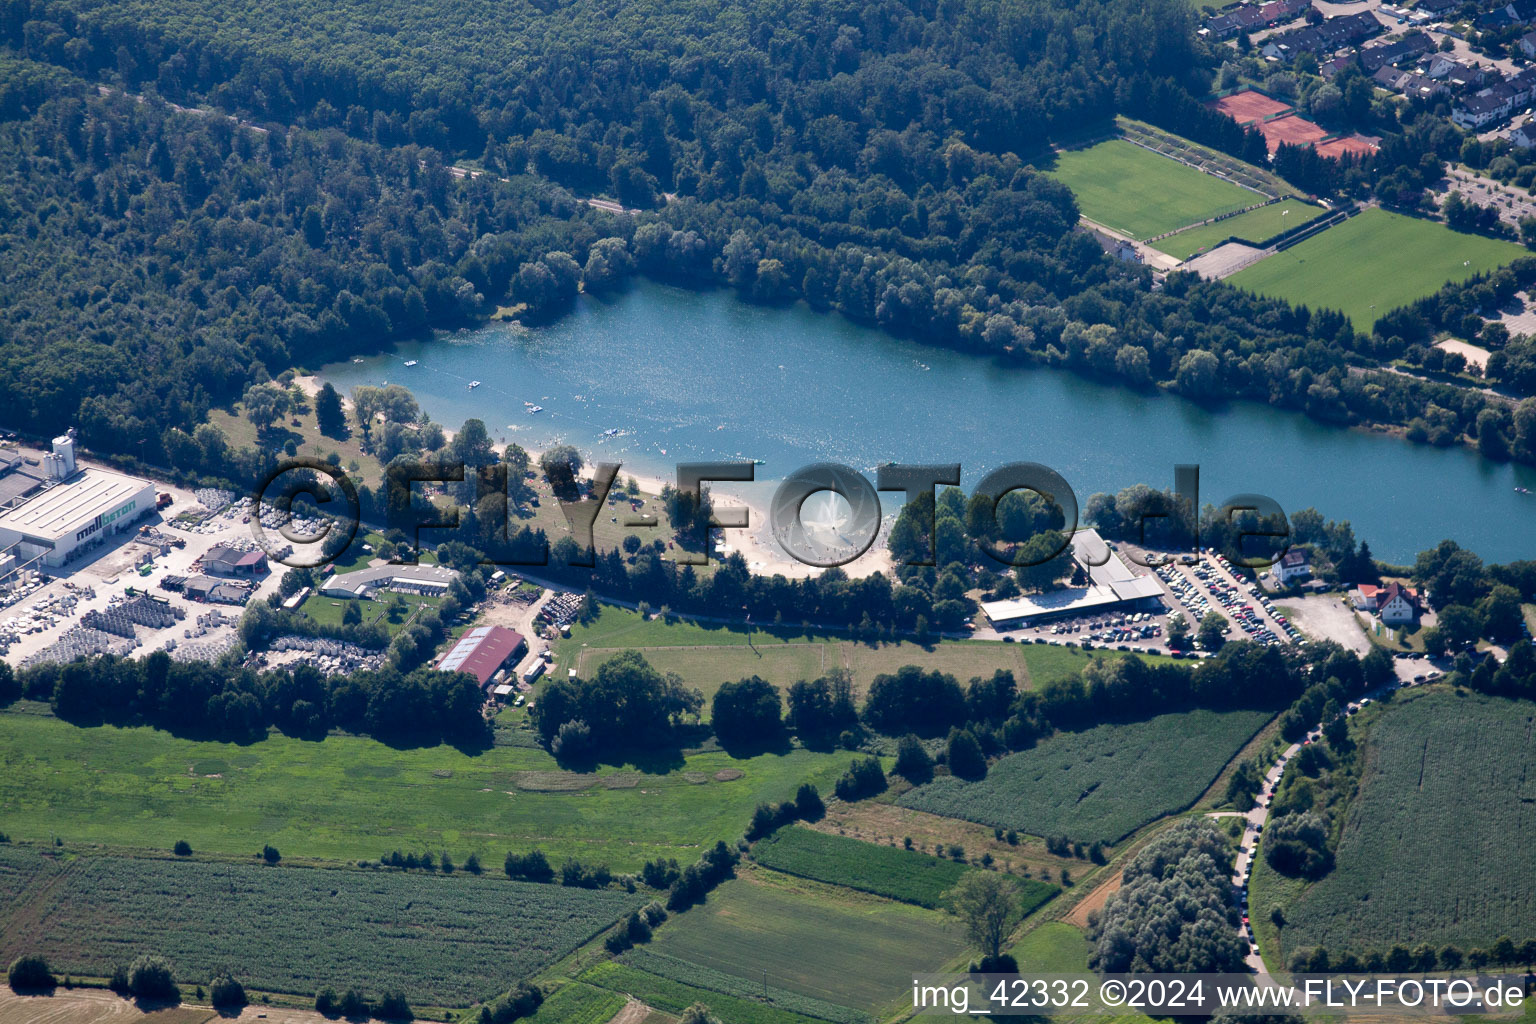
(427, 580)
(1112, 585)
(76, 509)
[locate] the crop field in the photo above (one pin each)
(575, 1003)
(297, 930)
(1373, 263)
(89, 1006)
(1256, 225)
(884, 870)
(1444, 802)
(1140, 193)
(845, 948)
(685, 973)
(348, 798)
(1103, 783)
(674, 997)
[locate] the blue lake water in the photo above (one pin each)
(680, 376)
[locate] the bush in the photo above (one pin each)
(327, 1003)
(270, 854)
(532, 867)
(151, 977)
(353, 1004)
(393, 1007)
(913, 762)
(182, 848)
(31, 974)
(226, 993)
(1297, 845)
(864, 778)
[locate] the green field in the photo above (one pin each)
(348, 798)
(1103, 783)
(296, 930)
(884, 870)
(1373, 263)
(706, 656)
(1053, 948)
(1141, 193)
(1256, 225)
(686, 973)
(1438, 838)
(675, 997)
(575, 1003)
(845, 948)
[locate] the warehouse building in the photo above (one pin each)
(76, 509)
(483, 651)
(426, 580)
(1111, 586)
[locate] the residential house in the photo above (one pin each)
(1487, 107)
(1394, 604)
(1250, 17)
(1409, 83)
(1524, 136)
(1322, 40)
(1409, 46)
(228, 561)
(1294, 564)
(1528, 44)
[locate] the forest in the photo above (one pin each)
(876, 160)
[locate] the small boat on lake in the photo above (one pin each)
(410, 362)
(472, 385)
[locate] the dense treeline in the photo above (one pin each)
(1174, 911)
(863, 158)
(199, 699)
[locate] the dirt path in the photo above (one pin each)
(1094, 900)
(633, 1013)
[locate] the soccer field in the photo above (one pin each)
(1373, 263)
(1256, 225)
(1140, 193)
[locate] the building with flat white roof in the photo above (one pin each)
(428, 580)
(1112, 585)
(77, 509)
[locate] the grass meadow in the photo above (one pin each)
(900, 874)
(1439, 843)
(831, 944)
(349, 798)
(1373, 263)
(1140, 193)
(1102, 783)
(1256, 225)
(705, 656)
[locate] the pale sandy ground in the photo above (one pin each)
(1475, 354)
(756, 544)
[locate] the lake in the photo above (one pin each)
(662, 375)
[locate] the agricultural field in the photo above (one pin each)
(674, 997)
(685, 973)
(1140, 193)
(575, 1003)
(846, 948)
(1373, 263)
(1053, 948)
(1256, 225)
(348, 798)
(706, 656)
(297, 930)
(883, 870)
(90, 1006)
(1102, 783)
(1444, 804)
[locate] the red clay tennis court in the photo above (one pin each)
(1291, 129)
(1335, 148)
(1248, 106)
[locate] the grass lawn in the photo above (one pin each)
(708, 655)
(1444, 803)
(1102, 783)
(1256, 225)
(828, 943)
(349, 798)
(1053, 948)
(328, 611)
(673, 997)
(1373, 263)
(1141, 193)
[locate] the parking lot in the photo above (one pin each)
(131, 565)
(1122, 631)
(1210, 585)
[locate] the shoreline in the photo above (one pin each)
(755, 543)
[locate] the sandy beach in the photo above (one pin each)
(756, 544)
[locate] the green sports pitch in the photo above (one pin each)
(1374, 263)
(1140, 193)
(1256, 226)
